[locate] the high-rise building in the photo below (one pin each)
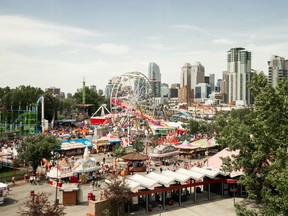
(212, 82)
(93, 87)
(197, 74)
(278, 68)
(202, 91)
(154, 76)
(165, 90)
(108, 89)
(239, 74)
(174, 90)
(53, 90)
(175, 85)
(207, 79)
(184, 92)
(218, 85)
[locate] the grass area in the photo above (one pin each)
(7, 173)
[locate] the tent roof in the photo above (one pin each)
(144, 181)
(209, 173)
(165, 180)
(191, 174)
(134, 156)
(215, 162)
(178, 176)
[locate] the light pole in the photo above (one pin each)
(56, 156)
(160, 208)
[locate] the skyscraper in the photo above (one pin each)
(278, 67)
(185, 79)
(154, 76)
(184, 93)
(212, 82)
(239, 73)
(197, 74)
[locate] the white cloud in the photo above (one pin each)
(112, 49)
(17, 30)
(187, 27)
(223, 41)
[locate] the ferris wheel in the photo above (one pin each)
(132, 97)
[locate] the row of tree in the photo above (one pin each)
(24, 97)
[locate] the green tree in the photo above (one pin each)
(92, 97)
(34, 148)
(138, 144)
(39, 205)
(193, 127)
(261, 136)
(119, 151)
(119, 194)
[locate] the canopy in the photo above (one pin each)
(2, 185)
(187, 145)
(75, 143)
(135, 156)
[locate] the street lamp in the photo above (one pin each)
(56, 157)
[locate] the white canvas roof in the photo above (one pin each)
(192, 174)
(144, 181)
(178, 176)
(209, 173)
(165, 180)
(134, 186)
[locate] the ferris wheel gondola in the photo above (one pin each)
(132, 100)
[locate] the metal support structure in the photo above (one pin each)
(56, 156)
(42, 114)
(147, 202)
(180, 195)
(194, 194)
(209, 195)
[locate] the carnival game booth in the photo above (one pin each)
(58, 175)
(164, 153)
(75, 146)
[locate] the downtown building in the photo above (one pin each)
(197, 75)
(237, 76)
(185, 94)
(278, 69)
(154, 76)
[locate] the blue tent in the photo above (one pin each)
(84, 142)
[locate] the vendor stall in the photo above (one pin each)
(59, 174)
(101, 145)
(85, 167)
(75, 146)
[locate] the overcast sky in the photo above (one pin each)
(59, 42)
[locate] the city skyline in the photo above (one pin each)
(58, 43)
